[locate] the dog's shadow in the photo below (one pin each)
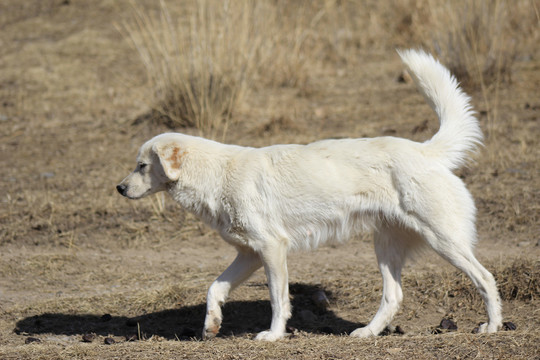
(239, 318)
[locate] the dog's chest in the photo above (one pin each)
(231, 224)
(236, 237)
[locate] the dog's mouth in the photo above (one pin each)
(124, 190)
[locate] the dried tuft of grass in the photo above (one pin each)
(472, 44)
(480, 41)
(201, 69)
(519, 281)
(166, 297)
(198, 70)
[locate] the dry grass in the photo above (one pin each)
(198, 71)
(200, 68)
(520, 281)
(169, 317)
(480, 40)
(201, 62)
(516, 346)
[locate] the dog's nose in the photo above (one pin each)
(121, 189)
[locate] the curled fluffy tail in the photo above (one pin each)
(459, 132)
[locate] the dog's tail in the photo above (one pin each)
(459, 131)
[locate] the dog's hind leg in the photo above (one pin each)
(241, 268)
(391, 246)
(462, 257)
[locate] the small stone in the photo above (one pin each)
(476, 330)
(448, 324)
(132, 337)
(291, 329)
(320, 300)
(109, 341)
(509, 326)
(88, 338)
(30, 340)
(390, 329)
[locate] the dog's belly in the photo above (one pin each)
(331, 225)
(303, 228)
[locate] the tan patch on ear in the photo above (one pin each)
(175, 160)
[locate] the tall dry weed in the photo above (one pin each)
(480, 41)
(470, 37)
(198, 69)
(201, 68)
(203, 60)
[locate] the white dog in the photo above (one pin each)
(268, 201)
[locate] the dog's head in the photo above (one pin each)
(159, 164)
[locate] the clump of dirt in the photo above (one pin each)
(520, 280)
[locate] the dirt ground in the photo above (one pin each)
(81, 266)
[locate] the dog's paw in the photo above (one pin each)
(487, 328)
(269, 335)
(208, 334)
(211, 328)
(363, 332)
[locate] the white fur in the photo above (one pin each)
(267, 201)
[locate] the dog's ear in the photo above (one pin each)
(171, 157)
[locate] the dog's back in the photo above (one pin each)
(330, 189)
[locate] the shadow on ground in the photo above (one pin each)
(239, 318)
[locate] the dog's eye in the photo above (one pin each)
(142, 166)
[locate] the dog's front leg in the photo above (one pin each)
(274, 258)
(241, 268)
